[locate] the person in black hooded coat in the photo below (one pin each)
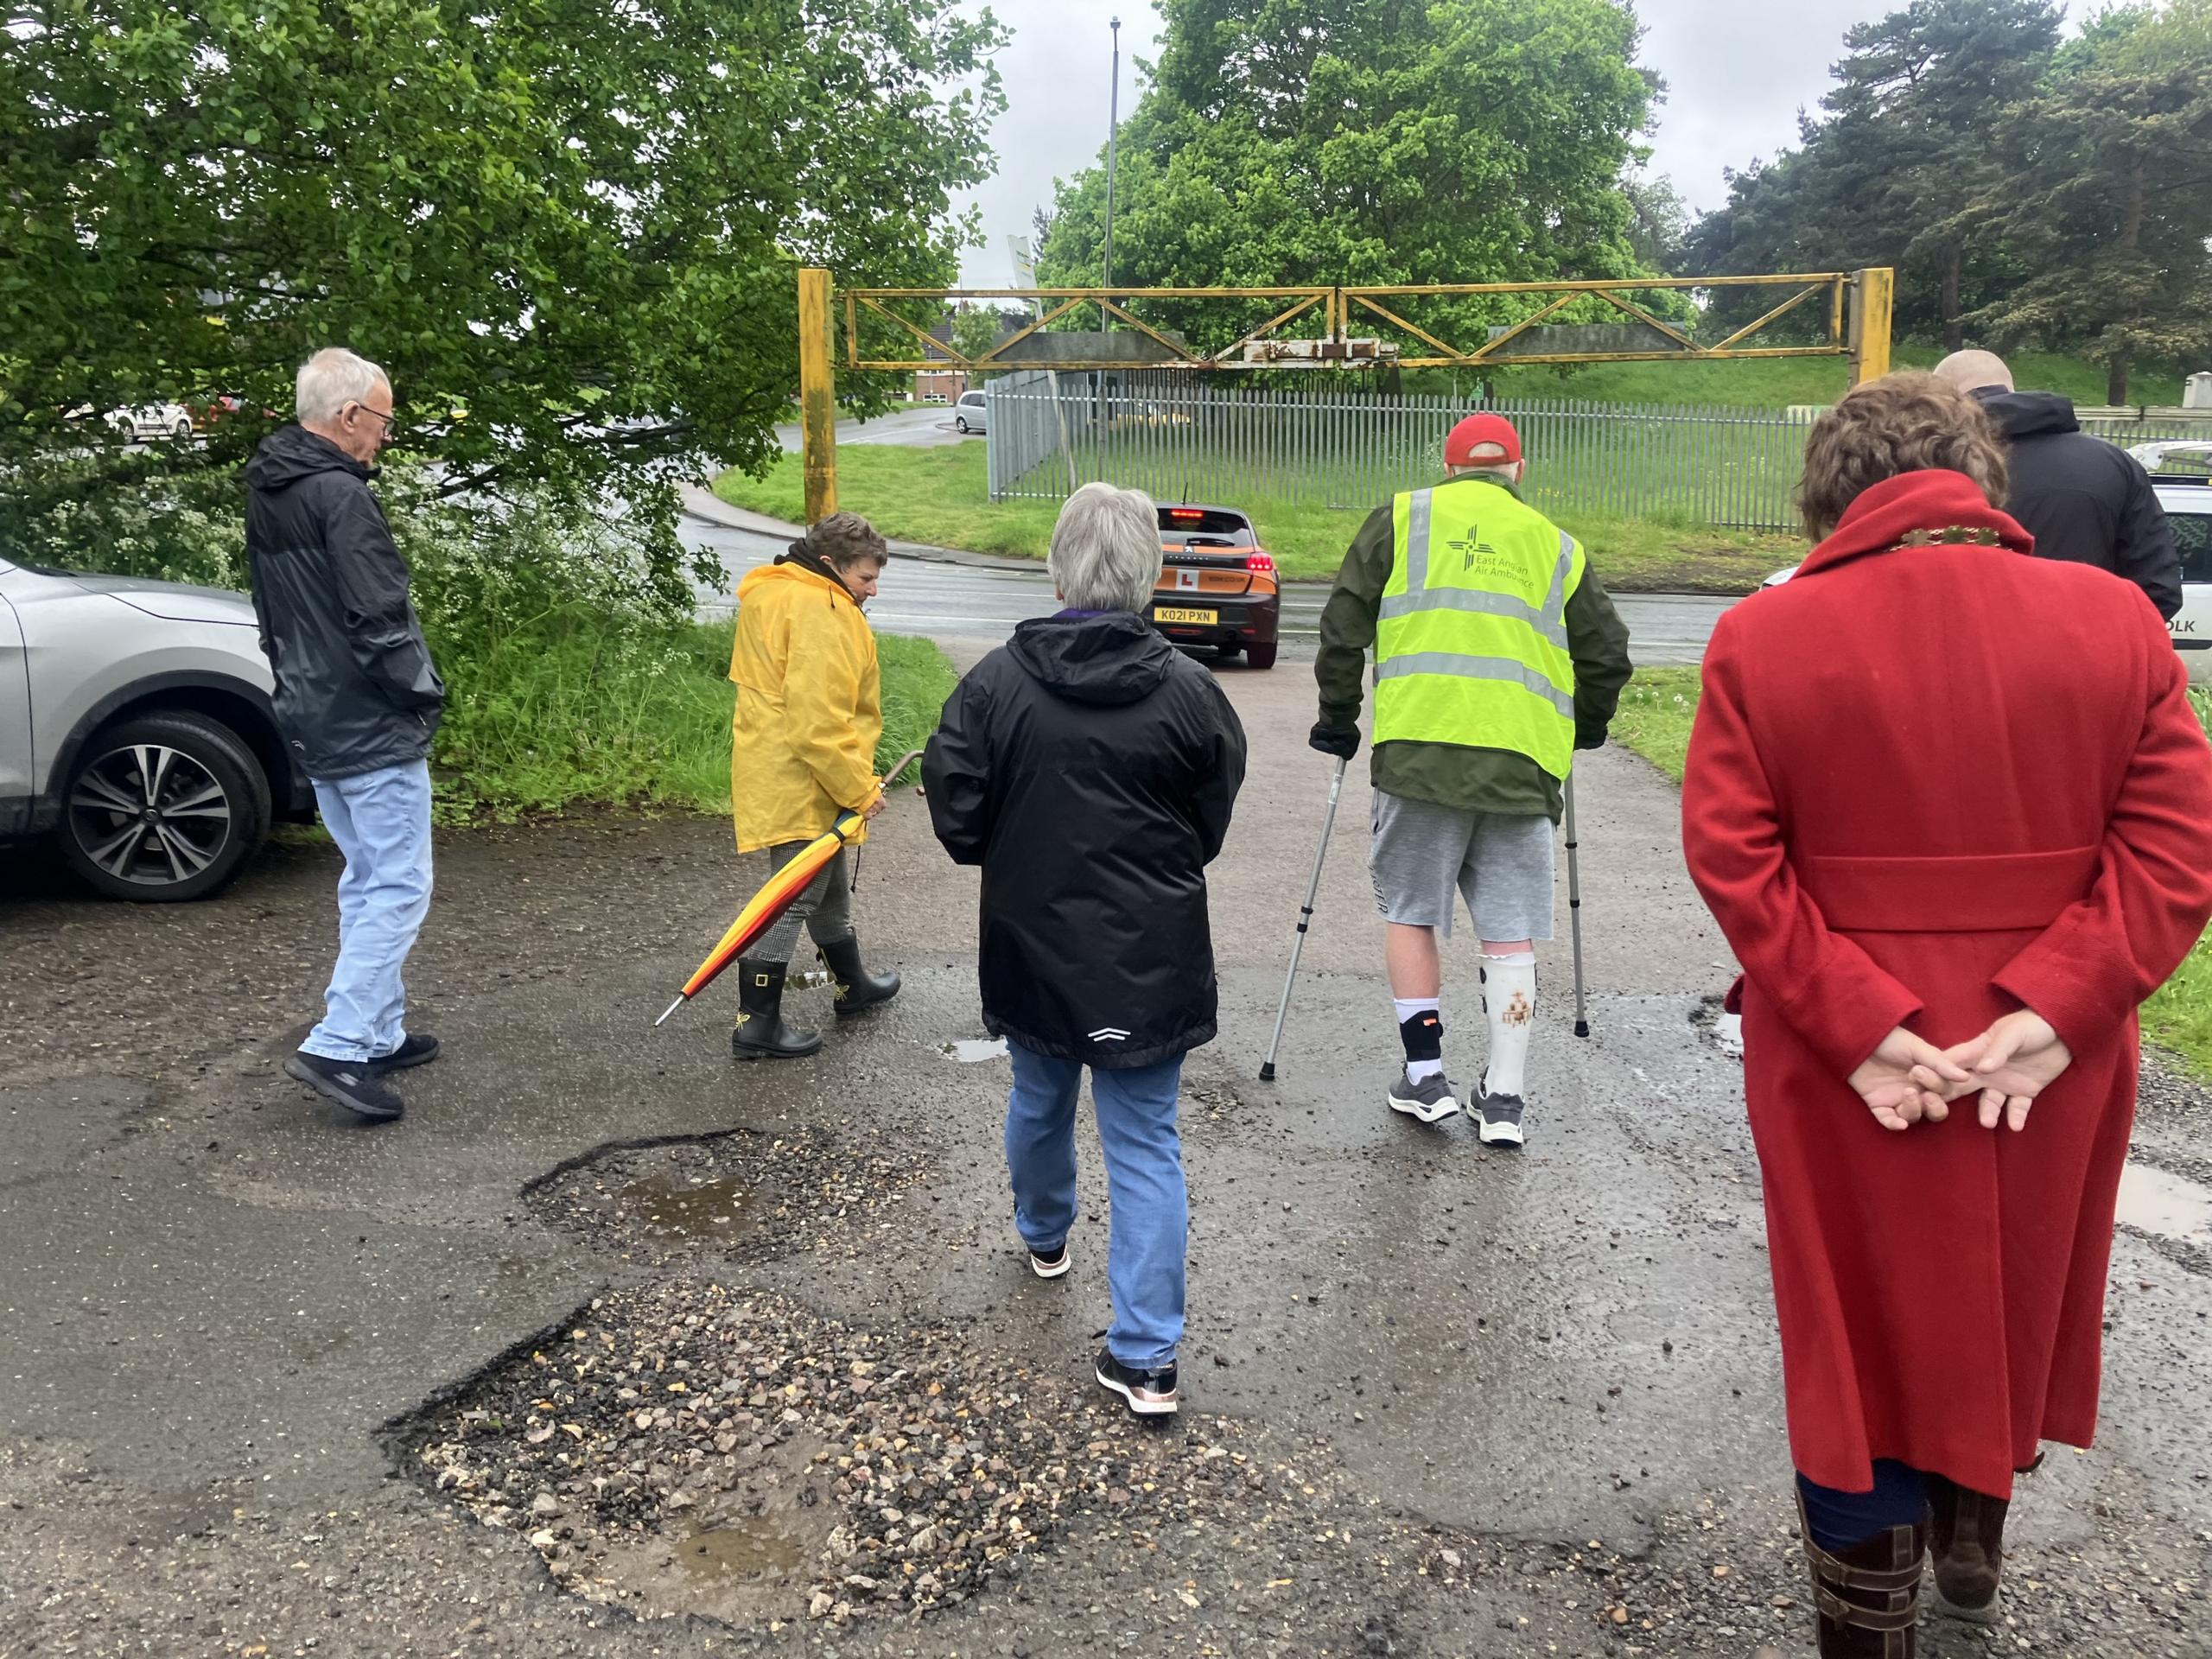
(1090, 768)
(2083, 500)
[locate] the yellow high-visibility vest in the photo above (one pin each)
(1471, 644)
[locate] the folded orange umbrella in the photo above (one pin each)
(766, 906)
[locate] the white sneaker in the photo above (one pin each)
(1497, 1122)
(1431, 1100)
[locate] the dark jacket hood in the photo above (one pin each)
(2029, 414)
(1108, 660)
(292, 453)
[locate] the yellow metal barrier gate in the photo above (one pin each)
(1858, 306)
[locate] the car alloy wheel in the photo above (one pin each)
(148, 815)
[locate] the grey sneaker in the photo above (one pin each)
(1497, 1117)
(1430, 1100)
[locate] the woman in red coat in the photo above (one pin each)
(1950, 806)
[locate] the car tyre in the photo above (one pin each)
(1256, 656)
(208, 813)
(181, 431)
(960, 424)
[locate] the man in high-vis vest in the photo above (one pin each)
(1497, 655)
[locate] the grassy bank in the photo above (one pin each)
(1655, 720)
(568, 709)
(941, 496)
(1777, 383)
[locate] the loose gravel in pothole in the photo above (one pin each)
(741, 1195)
(695, 1449)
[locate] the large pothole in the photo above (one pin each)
(738, 1194)
(687, 1448)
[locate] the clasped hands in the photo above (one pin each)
(1908, 1080)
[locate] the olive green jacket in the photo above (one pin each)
(1451, 775)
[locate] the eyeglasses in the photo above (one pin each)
(389, 421)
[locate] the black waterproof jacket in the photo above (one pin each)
(1089, 768)
(2084, 500)
(355, 688)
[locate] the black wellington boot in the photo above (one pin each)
(762, 1034)
(858, 990)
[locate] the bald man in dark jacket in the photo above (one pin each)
(2083, 500)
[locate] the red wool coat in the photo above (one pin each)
(1928, 785)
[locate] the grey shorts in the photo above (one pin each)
(1501, 866)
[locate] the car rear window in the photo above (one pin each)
(1205, 527)
(2193, 537)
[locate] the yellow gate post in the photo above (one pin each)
(1873, 298)
(817, 396)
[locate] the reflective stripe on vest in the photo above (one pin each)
(1470, 635)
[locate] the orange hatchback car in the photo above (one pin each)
(1217, 586)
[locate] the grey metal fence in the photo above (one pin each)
(1181, 437)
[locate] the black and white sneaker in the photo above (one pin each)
(1050, 1264)
(1431, 1100)
(1497, 1117)
(353, 1084)
(420, 1049)
(1148, 1394)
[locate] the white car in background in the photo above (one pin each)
(2182, 474)
(152, 421)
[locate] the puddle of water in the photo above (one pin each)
(720, 1553)
(974, 1050)
(2155, 1202)
(709, 1210)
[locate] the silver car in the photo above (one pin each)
(971, 413)
(136, 728)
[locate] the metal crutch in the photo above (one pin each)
(1304, 916)
(1574, 907)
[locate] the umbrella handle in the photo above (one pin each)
(900, 765)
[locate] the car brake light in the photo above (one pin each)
(1191, 514)
(1258, 561)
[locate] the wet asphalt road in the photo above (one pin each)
(981, 603)
(1504, 1404)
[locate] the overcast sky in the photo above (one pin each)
(1738, 72)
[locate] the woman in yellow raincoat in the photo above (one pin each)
(810, 714)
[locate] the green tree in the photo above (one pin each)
(569, 230)
(1372, 142)
(975, 329)
(2107, 192)
(1891, 175)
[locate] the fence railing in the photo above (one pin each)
(1183, 438)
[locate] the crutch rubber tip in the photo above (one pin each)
(1582, 1027)
(1267, 1071)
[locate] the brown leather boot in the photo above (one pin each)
(1966, 1533)
(1867, 1600)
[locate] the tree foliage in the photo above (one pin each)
(569, 229)
(1371, 141)
(2026, 191)
(1892, 173)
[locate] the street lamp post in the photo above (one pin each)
(1113, 130)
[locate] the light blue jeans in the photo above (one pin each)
(1151, 1210)
(381, 822)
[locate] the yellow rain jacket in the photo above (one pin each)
(810, 707)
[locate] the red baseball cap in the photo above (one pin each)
(1483, 440)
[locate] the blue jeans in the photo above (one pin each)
(1840, 1520)
(381, 822)
(1151, 1212)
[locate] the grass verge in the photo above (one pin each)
(941, 496)
(570, 708)
(1654, 718)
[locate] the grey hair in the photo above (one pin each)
(331, 379)
(1106, 553)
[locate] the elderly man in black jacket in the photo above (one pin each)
(1089, 768)
(357, 699)
(2084, 500)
